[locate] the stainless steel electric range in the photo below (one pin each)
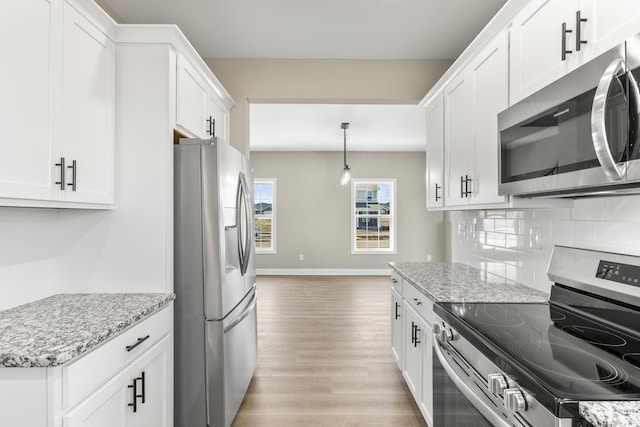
(531, 364)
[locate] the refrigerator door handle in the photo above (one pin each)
(242, 207)
(243, 315)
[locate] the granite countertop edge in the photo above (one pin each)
(451, 282)
(56, 330)
(611, 414)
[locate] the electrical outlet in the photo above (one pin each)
(462, 229)
(535, 238)
(428, 257)
(301, 257)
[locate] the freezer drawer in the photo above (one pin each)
(231, 348)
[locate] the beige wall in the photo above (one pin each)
(317, 81)
(313, 210)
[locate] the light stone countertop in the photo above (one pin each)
(55, 330)
(445, 282)
(611, 414)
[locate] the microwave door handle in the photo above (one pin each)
(634, 116)
(495, 418)
(598, 125)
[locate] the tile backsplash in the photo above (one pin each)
(517, 244)
(29, 251)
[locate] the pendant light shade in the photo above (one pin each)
(345, 177)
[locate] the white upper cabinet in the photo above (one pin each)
(472, 102)
(58, 106)
(537, 41)
(490, 77)
(616, 20)
(217, 117)
(200, 111)
(192, 100)
(26, 150)
(459, 151)
(435, 152)
(549, 38)
(87, 110)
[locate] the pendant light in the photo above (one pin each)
(345, 177)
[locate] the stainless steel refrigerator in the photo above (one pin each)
(215, 306)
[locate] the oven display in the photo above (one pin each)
(617, 272)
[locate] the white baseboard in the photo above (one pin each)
(323, 271)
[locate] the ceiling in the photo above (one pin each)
(317, 127)
(323, 29)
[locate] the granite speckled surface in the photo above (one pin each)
(447, 282)
(611, 414)
(55, 330)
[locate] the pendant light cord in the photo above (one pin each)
(345, 126)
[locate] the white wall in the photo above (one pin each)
(502, 243)
(313, 211)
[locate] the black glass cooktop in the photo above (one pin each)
(558, 353)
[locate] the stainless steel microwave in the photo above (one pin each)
(579, 135)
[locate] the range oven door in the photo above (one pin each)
(457, 401)
(572, 136)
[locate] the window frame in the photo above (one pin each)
(393, 232)
(273, 248)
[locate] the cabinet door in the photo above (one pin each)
(155, 409)
(435, 153)
(413, 343)
(107, 407)
(609, 23)
(489, 72)
(426, 394)
(192, 100)
(396, 327)
(87, 110)
(458, 140)
(27, 153)
(217, 112)
(536, 45)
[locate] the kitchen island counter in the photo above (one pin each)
(55, 330)
(445, 282)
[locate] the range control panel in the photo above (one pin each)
(617, 272)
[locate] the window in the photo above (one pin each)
(373, 216)
(264, 195)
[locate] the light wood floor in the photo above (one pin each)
(324, 357)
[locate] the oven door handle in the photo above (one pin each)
(493, 417)
(598, 124)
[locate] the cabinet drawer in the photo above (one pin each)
(422, 304)
(396, 281)
(84, 375)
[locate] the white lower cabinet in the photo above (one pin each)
(396, 326)
(126, 382)
(138, 396)
(411, 343)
